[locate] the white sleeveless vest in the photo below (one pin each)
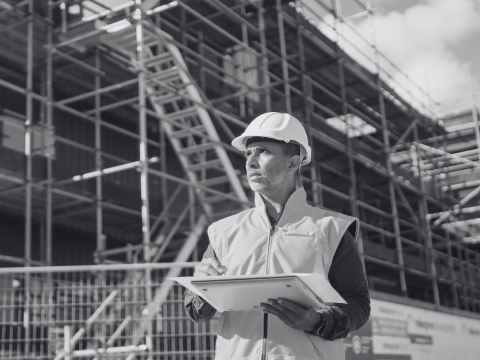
(304, 241)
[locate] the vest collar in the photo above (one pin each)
(296, 200)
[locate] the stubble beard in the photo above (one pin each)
(269, 184)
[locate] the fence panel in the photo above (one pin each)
(102, 310)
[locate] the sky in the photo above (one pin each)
(435, 42)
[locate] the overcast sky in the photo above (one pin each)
(434, 41)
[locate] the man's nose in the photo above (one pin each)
(252, 162)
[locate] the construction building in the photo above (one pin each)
(116, 120)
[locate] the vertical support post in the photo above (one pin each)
(423, 207)
(475, 114)
(191, 200)
(283, 53)
(129, 255)
(28, 139)
(351, 166)
(98, 157)
(138, 17)
(183, 18)
(477, 272)
(67, 336)
(470, 278)
(263, 43)
(28, 175)
(245, 64)
(163, 164)
(161, 132)
(391, 187)
(143, 131)
(387, 149)
(451, 259)
(63, 10)
(451, 266)
(201, 52)
(463, 277)
(49, 134)
(308, 103)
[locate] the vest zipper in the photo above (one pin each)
(267, 268)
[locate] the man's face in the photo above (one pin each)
(267, 167)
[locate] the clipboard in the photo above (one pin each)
(240, 293)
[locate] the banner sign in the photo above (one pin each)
(402, 332)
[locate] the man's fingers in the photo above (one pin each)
(206, 270)
(292, 315)
(296, 308)
(269, 309)
(209, 267)
(214, 263)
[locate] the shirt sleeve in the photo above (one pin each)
(196, 307)
(348, 278)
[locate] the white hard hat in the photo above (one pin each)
(278, 126)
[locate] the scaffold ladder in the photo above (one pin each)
(177, 100)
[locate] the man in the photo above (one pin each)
(283, 234)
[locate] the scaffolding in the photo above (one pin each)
(127, 109)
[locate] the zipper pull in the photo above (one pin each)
(272, 227)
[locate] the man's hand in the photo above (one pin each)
(209, 267)
(293, 314)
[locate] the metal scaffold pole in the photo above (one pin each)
(264, 57)
(49, 137)
(142, 131)
(49, 142)
(344, 101)
(391, 179)
(101, 240)
(144, 162)
(28, 174)
(307, 100)
(423, 209)
(283, 53)
(28, 139)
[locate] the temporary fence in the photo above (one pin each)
(99, 312)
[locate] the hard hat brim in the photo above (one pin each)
(240, 141)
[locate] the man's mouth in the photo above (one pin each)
(253, 176)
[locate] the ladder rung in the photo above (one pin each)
(158, 59)
(215, 181)
(165, 75)
(185, 132)
(165, 99)
(196, 148)
(217, 198)
(205, 165)
(182, 113)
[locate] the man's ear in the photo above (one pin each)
(294, 163)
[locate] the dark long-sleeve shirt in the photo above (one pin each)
(346, 276)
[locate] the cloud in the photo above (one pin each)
(421, 42)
